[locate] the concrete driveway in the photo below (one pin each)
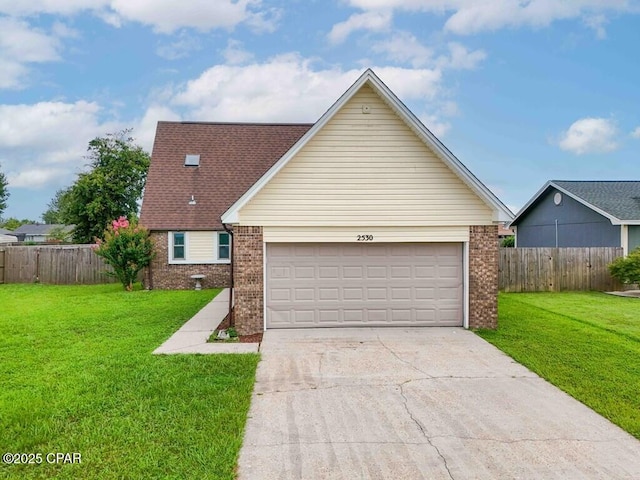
(411, 403)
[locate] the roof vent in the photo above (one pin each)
(192, 160)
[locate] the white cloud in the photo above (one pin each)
(287, 89)
(180, 48)
(473, 16)
(20, 45)
(590, 135)
(372, 21)
(460, 58)
(235, 54)
(404, 47)
(164, 16)
(46, 142)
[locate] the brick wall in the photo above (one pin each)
(248, 280)
(483, 276)
(177, 277)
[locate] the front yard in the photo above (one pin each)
(77, 376)
(586, 343)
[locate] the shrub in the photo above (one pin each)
(127, 248)
(627, 269)
(509, 241)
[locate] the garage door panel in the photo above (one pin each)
(363, 284)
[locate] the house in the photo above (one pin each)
(40, 233)
(362, 219)
(6, 236)
(581, 214)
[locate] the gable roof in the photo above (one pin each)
(233, 156)
(619, 201)
(4, 231)
(370, 78)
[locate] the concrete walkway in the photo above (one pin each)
(192, 336)
(417, 403)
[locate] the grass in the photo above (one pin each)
(585, 343)
(77, 375)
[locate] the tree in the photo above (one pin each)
(127, 248)
(4, 193)
(56, 208)
(627, 269)
(111, 189)
(12, 223)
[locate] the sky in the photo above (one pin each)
(521, 91)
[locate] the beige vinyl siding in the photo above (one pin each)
(201, 247)
(387, 234)
(365, 170)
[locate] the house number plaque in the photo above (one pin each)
(365, 238)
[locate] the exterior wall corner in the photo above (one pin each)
(248, 274)
(483, 276)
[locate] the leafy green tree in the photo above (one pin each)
(627, 269)
(127, 248)
(12, 223)
(4, 193)
(112, 187)
(56, 208)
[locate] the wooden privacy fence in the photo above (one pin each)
(557, 269)
(61, 265)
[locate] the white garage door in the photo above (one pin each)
(376, 284)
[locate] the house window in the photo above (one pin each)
(223, 246)
(178, 246)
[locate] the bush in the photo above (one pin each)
(627, 269)
(127, 248)
(509, 241)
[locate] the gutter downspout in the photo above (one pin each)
(232, 322)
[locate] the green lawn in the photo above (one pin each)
(586, 343)
(77, 375)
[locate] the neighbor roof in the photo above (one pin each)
(619, 201)
(4, 231)
(39, 228)
(233, 156)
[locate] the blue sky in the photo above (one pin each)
(521, 91)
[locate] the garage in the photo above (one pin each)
(356, 284)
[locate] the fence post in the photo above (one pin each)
(2, 265)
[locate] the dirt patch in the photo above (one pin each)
(254, 338)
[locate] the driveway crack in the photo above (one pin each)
(399, 358)
(405, 402)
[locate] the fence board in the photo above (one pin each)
(557, 269)
(60, 265)
(1, 265)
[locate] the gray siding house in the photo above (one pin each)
(581, 214)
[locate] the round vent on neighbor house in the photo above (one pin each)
(557, 198)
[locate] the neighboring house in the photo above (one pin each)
(6, 236)
(581, 214)
(504, 231)
(362, 219)
(39, 233)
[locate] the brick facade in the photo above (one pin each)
(164, 276)
(248, 279)
(483, 276)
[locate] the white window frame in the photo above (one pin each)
(171, 245)
(217, 251)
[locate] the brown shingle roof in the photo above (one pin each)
(233, 156)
